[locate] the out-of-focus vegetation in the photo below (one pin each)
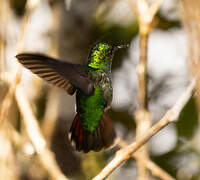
(67, 30)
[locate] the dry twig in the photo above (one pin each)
(155, 169)
(7, 102)
(51, 113)
(191, 15)
(145, 14)
(170, 116)
(31, 125)
(36, 137)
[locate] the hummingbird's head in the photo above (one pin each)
(101, 55)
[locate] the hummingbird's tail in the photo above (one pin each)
(85, 141)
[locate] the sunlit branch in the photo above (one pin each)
(170, 116)
(154, 169)
(36, 137)
(145, 13)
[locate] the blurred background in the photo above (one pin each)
(67, 29)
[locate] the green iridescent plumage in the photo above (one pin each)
(99, 57)
(91, 108)
(91, 128)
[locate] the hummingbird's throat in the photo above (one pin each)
(99, 60)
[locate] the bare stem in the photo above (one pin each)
(155, 169)
(142, 116)
(145, 14)
(36, 137)
(170, 116)
(8, 100)
(51, 113)
(142, 72)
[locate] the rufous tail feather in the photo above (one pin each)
(85, 140)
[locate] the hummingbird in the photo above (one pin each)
(91, 128)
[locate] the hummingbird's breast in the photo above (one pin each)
(106, 85)
(90, 108)
(102, 80)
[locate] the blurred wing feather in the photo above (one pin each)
(62, 74)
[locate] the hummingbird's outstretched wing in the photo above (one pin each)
(65, 75)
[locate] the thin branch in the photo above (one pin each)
(155, 7)
(31, 125)
(145, 14)
(170, 116)
(143, 120)
(155, 169)
(142, 72)
(36, 137)
(13, 135)
(30, 6)
(8, 100)
(51, 113)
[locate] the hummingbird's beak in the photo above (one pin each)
(120, 47)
